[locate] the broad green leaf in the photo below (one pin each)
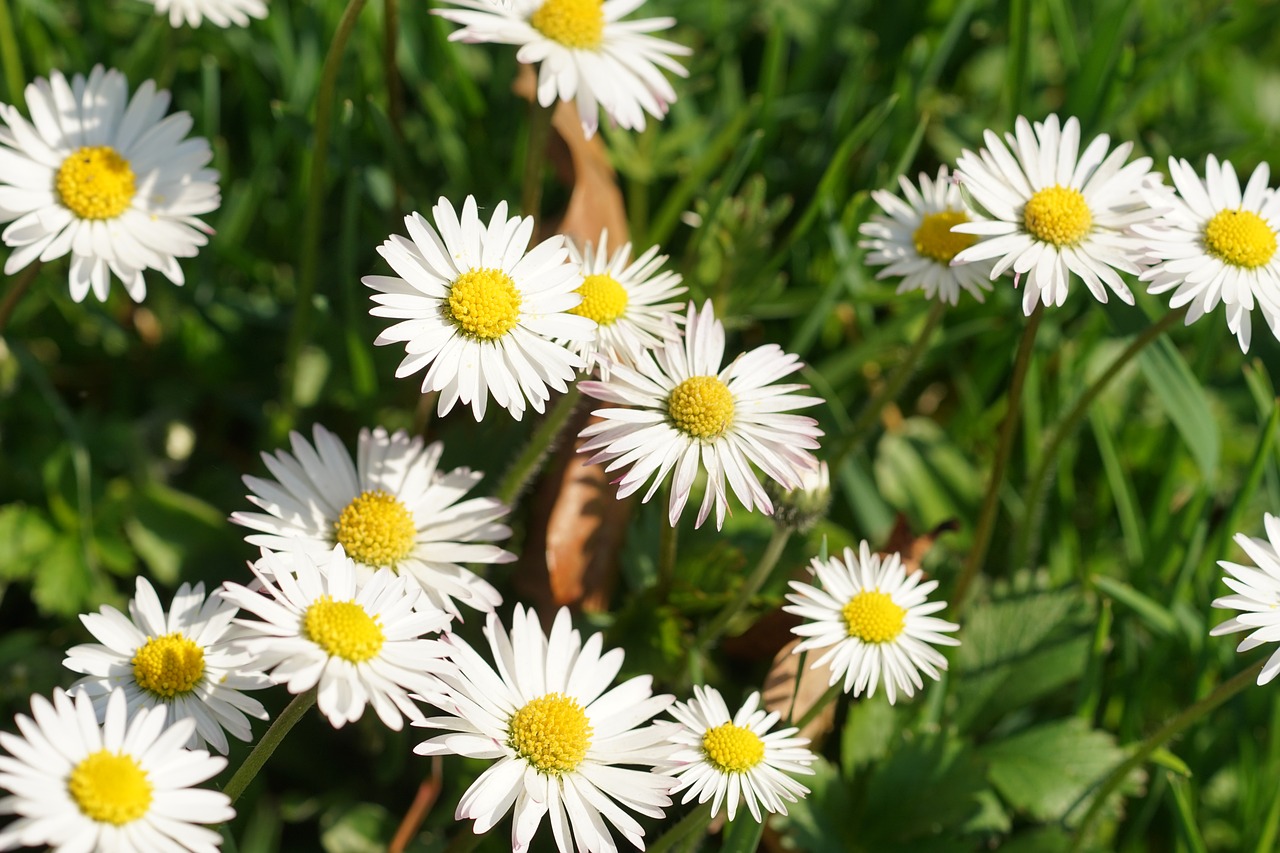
(920, 471)
(64, 585)
(361, 828)
(25, 537)
(1185, 402)
(870, 727)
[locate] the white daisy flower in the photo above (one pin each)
(391, 508)
(1257, 594)
(874, 621)
(724, 758)
(360, 643)
(689, 414)
(1214, 244)
(104, 177)
(178, 659)
(123, 785)
(587, 52)
(915, 242)
(625, 300)
(566, 746)
(1053, 213)
(478, 311)
(222, 13)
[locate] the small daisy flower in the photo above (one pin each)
(1053, 213)
(390, 508)
(915, 241)
(625, 300)
(687, 413)
(76, 785)
(567, 747)
(360, 644)
(725, 759)
(104, 177)
(222, 13)
(586, 52)
(873, 620)
(1214, 244)
(478, 311)
(177, 659)
(1257, 594)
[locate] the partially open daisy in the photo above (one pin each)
(122, 785)
(1215, 244)
(567, 747)
(478, 311)
(873, 620)
(1053, 213)
(104, 177)
(686, 413)
(177, 659)
(390, 508)
(915, 242)
(727, 758)
(360, 644)
(586, 52)
(222, 13)
(1257, 595)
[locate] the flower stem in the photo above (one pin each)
(694, 822)
(668, 540)
(9, 54)
(527, 465)
(18, 288)
(535, 158)
(748, 588)
(263, 749)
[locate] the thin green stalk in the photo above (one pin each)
(694, 822)
(1020, 46)
(991, 500)
(748, 589)
(668, 539)
(267, 744)
(18, 288)
(395, 87)
(535, 158)
(9, 54)
(816, 708)
(527, 465)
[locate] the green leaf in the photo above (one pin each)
(869, 733)
(743, 834)
(172, 529)
(25, 537)
(920, 471)
(944, 778)
(1153, 614)
(1185, 402)
(64, 585)
(361, 828)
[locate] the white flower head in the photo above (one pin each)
(874, 621)
(179, 659)
(1256, 591)
(478, 311)
(222, 13)
(124, 784)
(566, 746)
(105, 178)
(586, 52)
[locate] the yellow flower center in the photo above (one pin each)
(873, 617)
(376, 529)
(935, 240)
(110, 788)
(1241, 238)
(95, 183)
(552, 733)
(484, 304)
(1058, 215)
(734, 749)
(603, 299)
(343, 629)
(573, 23)
(701, 406)
(168, 666)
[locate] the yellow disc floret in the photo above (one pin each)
(110, 788)
(701, 406)
(935, 240)
(733, 749)
(873, 617)
(484, 304)
(95, 183)
(168, 666)
(1241, 238)
(1058, 215)
(603, 299)
(376, 529)
(573, 23)
(343, 629)
(552, 733)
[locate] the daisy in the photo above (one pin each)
(736, 757)
(1257, 595)
(359, 643)
(689, 414)
(178, 659)
(1053, 213)
(104, 177)
(915, 241)
(586, 52)
(623, 299)
(390, 508)
(122, 785)
(478, 311)
(874, 621)
(559, 734)
(222, 13)
(1214, 244)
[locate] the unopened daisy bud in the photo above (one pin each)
(804, 506)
